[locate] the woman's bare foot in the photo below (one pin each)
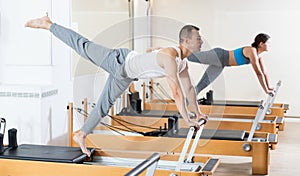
(42, 23)
(79, 138)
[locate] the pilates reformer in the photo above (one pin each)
(209, 100)
(276, 109)
(104, 166)
(163, 118)
(270, 125)
(238, 142)
(256, 125)
(160, 118)
(231, 112)
(29, 159)
(257, 150)
(122, 156)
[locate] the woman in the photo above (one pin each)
(218, 58)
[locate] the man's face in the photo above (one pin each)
(195, 42)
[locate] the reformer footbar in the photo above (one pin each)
(187, 143)
(262, 111)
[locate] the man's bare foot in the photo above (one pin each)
(79, 138)
(42, 23)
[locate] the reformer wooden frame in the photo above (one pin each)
(157, 122)
(242, 112)
(95, 141)
(278, 109)
(25, 167)
(214, 110)
(270, 126)
(259, 151)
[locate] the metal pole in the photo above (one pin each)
(150, 163)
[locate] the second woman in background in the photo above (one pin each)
(218, 59)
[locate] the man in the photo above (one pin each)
(124, 65)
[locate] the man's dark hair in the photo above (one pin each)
(186, 32)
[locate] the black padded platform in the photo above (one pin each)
(236, 103)
(237, 135)
(46, 153)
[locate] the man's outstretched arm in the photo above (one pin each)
(190, 93)
(170, 66)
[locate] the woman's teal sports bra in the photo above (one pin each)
(239, 57)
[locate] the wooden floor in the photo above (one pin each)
(283, 161)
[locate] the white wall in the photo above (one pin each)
(18, 54)
(48, 64)
(36, 81)
(29, 109)
(234, 23)
(95, 19)
(61, 75)
(104, 22)
(229, 24)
